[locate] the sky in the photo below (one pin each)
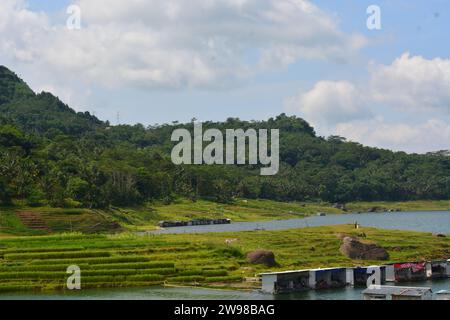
(155, 61)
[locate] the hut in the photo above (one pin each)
(285, 281)
(437, 269)
(448, 267)
(390, 273)
(328, 278)
(411, 271)
(376, 292)
(194, 222)
(360, 275)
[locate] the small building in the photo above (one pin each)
(172, 224)
(411, 271)
(437, 269)
(328, 278)
(448, 267)
(360, 275)
(390, 273)
(285, 281)
(377, 292)
(194, 222)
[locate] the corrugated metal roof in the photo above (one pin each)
(283, 272)
(398, 291)
(303, 270)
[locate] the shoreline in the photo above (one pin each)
(143, 219)
(125, 260)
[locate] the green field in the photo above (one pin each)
(126, 260)
(419, 205)
(58, 220)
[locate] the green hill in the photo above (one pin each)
(52, 155)
(39, 113)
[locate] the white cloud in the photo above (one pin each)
(174, 43)
(331, 102)
(430, 135)
(18, 29)
(412, 87)
(413, 83)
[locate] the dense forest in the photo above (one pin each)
(52, 155)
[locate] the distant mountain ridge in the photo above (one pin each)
(12, 87)
(38, 113)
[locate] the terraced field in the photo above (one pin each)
(111, 261)
(127, 260)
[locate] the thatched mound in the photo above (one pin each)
(262, 257)
(355, 249)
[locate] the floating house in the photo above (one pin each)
(328, 278)
(300, 280)
(360, 275)
(195, 222)
(285, 281)
(404, 272)
(437, 269)
(448, 268)
(376, 292)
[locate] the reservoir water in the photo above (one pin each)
(436, 222)
(425, 221)
(348, 293)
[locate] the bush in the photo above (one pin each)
(186, 278)
(215, 273)
(224, 279)
(36, 198)
(144, 277)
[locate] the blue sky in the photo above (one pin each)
(316, 59)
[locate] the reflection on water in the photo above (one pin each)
(348, 293)
(433, 221)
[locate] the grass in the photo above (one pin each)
(127, 260)
(419, 205)
(61, 220)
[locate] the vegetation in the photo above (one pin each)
(125, 260)
(52, 156)
(144, 218)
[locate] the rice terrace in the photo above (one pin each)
(202, 153)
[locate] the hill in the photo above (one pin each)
(39, 113)
(52, 155)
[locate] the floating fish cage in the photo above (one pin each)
(316, 279)
(195, 222)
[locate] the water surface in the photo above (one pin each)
(348, 293)
(425, 221)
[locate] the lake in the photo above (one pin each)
(426, 221)
(348, 293)
(436, 222)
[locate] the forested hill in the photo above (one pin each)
(40, 113)
(50, 154)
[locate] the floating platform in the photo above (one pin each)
(195, 222)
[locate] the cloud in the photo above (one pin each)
(176, 43)
(411, 87)
(18, 29)
(331, 102)
(430, 135)
(413, 83)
